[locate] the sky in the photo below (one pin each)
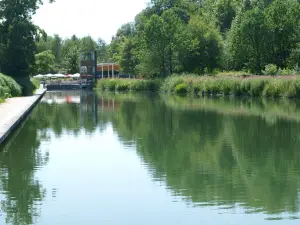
(98, 18)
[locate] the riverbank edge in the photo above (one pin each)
(19, 118)
(257, 86)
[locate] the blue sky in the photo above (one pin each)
(98, 18)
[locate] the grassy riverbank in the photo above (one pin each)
(128, 85)
(249, 86)
(13, 88)
(267, 86)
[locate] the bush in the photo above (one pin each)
(170, 83)
(122, 87)
(270, 69)
(181, 88)
(285, 72)
(9, 87)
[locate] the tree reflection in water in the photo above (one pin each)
(209, 152)
(19, 159)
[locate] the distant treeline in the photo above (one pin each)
(168, 36)
(175, 36)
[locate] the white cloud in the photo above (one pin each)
(98, 18)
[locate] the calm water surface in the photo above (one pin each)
(82, 158)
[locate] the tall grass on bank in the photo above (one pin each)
(199, 85)
(128, 85)
(258, 86)
(8, 87)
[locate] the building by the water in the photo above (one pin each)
(105, 70)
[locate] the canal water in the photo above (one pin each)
(87, 158)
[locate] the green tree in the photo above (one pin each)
(45, 62)
(225, 13)
(185, 36)
(157, 38)
(18, 48)
(249, 40)
(102, 50)
(201, 46)
(88, 44)
(18, 35)
(127, 59)
(282, 19)
(72, 60)
(56, 45)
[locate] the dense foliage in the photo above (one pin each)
(174, 36)
(168, 36)
(55, 54)
(17, 36)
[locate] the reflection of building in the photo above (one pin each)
(99, 103)
(87, 98)
(92, 104)
(89, 104)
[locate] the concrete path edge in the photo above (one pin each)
(14, 124)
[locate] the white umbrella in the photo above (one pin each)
(48, 75)
(38, 76)
(59, 75)
(75, 75)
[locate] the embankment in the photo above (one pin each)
(14, 110)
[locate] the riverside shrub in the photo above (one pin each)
(128, 85)
(9, 87)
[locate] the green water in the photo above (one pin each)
(142, 159)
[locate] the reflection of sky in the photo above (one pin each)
(97, 180)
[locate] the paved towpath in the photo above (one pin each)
(13, 111)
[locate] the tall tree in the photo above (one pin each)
(128, 60)
(282, 18)
(249, 41)
(45, 62)
(17, 36)
(102, 50)
(56, 46)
